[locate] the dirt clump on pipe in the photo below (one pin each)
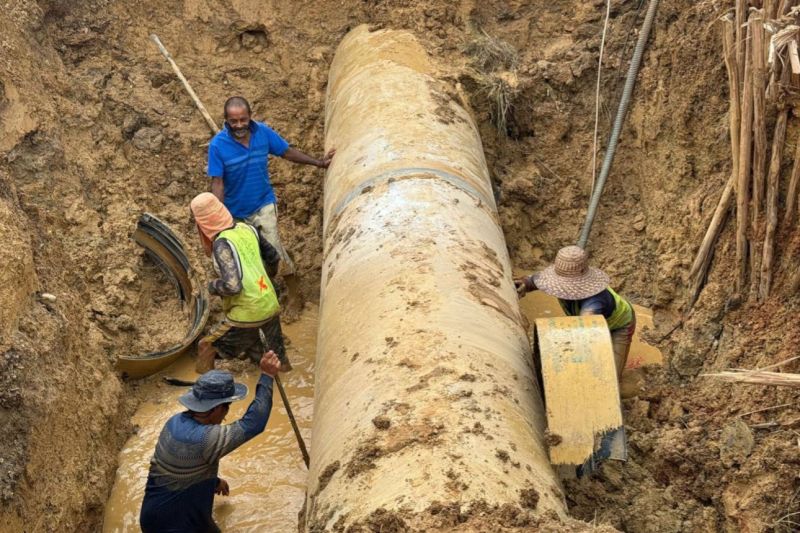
(480, 517)
(95, 129)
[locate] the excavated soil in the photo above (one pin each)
(95, 130)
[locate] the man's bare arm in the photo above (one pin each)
(296, 156)
(218, 188)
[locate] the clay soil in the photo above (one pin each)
(95, 130)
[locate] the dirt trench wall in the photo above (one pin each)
(60, 402)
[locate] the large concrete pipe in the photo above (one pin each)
(425, 395)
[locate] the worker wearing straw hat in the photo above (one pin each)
(583, 290)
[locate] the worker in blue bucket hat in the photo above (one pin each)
(179, 495)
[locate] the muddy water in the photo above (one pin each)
(539, 305)
(267, 476)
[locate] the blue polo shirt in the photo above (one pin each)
(245, 171)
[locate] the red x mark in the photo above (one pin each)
(262, 284)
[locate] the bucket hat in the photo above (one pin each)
(213, 388)
(570, 277)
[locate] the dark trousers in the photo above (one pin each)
(234, 341)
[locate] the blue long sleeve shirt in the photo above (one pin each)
(179, 494)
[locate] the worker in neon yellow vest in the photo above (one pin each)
(249, 301)
(583, 290)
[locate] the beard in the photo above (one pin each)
(240, 133)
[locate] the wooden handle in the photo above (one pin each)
(192, 94)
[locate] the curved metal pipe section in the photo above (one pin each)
(424, 392)
(168, 253)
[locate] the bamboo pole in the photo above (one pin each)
(741, 17)
(200, 107)
(791, 193)
(770, 9)
(757, 377)
(702, 261)
(743, 179)
(699, 269)
(773, 185)
(759, 60)
(734, 84)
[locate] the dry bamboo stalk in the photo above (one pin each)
(776, 365)
(784, 6)
(759, 110)
(734, 84)
(770, 9)
(759, 60)
(791, 193)
(756, 377)
(741, 16)
(702, 261)
(704, 254)
(773, 185)
(743, 179)
(765, 282)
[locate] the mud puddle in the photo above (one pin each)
(267, 476)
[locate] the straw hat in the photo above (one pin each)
(571, 277)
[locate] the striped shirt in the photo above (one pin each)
(179, 494)
(245, 170)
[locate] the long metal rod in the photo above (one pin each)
(622, 110)
(300, 442)
(197, 102)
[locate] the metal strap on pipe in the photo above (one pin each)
(413, 172)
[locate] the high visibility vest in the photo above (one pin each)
(257, 300)
(621, 317)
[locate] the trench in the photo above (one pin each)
(267, 476)
(83, 85)
(431, 252)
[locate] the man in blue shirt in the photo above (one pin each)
(179, 495)
(238, 165)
